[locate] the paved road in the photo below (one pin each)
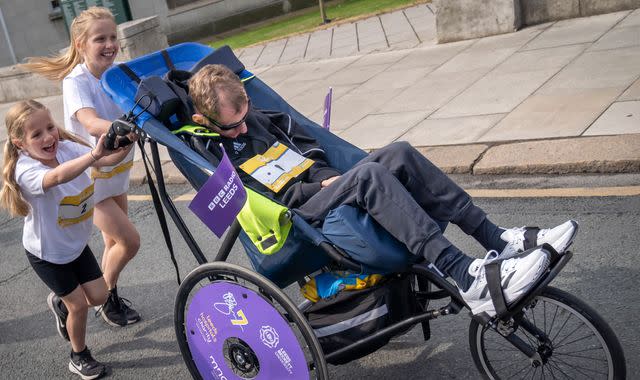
(605, 272)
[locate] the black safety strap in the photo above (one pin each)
(494, 283)
(158, 206)
(127, 70)
(131, 74)
(167, 60)
(530, 237)
(199, 145)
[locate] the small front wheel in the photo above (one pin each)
(233, 323)
(571, 341)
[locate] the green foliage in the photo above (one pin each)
(309, 19)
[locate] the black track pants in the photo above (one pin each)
(404, 192)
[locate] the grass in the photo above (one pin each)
(309, 19)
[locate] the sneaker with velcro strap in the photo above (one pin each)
(84, 365)
(517, 274)
(520, 239)
(60, 313)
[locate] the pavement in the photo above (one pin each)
(560, 97)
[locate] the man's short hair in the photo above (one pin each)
(213, 81)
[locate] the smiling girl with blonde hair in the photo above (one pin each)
(88, 113)
(45, 181)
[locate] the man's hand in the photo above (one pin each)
(328, 181)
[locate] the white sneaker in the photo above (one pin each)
(517, 275)
(519, 239)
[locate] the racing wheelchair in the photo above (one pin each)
(235, 323)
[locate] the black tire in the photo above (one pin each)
(593, 352)
(220, 271)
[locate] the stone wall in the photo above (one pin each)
(465, 19)
(539, 11)
(136, 37)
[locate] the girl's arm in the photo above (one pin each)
(69, 170)
(90, 120)
(96, 126)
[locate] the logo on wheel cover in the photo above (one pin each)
(269, 336)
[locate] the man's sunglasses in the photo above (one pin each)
(226, 127)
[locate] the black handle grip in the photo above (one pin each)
(118, 128)
(110, 140)
(124, 141)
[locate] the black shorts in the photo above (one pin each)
(63, 279)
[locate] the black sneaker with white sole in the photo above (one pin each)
(60, 312)
(116, 311)
(84, 365)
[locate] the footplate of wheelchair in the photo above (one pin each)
(234, 333)
(506, 311)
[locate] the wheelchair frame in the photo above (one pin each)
(424, 273)
(537, 346)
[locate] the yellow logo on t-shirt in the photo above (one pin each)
(76, 208)
(106, 172)
(276, 167)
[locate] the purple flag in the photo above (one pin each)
(221, 198)
(326, 122)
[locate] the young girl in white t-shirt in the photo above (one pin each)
(88, 113)
(45, 180)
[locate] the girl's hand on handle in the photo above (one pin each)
(99, 151)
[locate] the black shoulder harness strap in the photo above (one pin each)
(158, 206)
(131, 74)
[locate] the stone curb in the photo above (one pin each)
(599, 154)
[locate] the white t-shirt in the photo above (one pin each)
(80, 89)
(59, 223)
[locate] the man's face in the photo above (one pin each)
(227, 116)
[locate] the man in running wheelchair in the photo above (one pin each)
(396, 185)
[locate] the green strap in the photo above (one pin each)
(196, 130)
(247, 78)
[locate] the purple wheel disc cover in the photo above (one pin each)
(223, 310)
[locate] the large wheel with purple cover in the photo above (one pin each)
(232, 323)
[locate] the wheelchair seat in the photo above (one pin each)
(347, 227)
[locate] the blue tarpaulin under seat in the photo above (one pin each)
(370, 244)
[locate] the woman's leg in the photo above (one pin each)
(111, 218)
(95, 292)
(76, 323)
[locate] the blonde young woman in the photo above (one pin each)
(45, 181)
(88, 113)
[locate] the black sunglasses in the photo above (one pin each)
(226, 127)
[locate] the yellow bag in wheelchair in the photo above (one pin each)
(265, 222)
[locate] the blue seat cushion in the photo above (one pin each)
(356, 232)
